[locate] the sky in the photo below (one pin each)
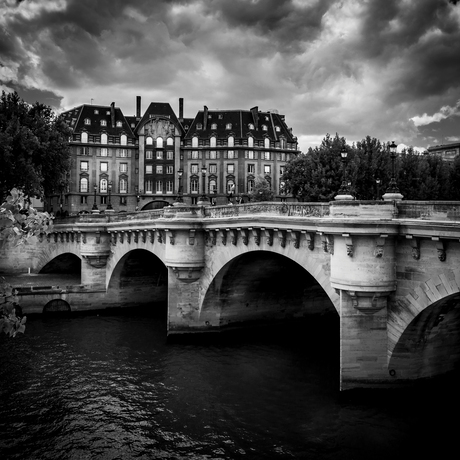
(388, 69)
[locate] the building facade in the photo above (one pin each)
(448, 152)
(148, 161)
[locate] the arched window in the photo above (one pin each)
(228, 126)
(84, 138)
(118, 124)
(250, 141)
(169, 141)
(267, 143)
(87, 121)
(103, 123)
(199, 126)
(277, 129)
(194, 185)
(251, 126)
(264, 127)
(212, 186)
(123, 139)
(103, 138)
(231, 141)
(214, 126)
(159, 142)
(84, 184)
(149, 140)
(194, 141)
(123, 185)
(103, 185)
(213, 141)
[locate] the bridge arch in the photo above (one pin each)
(54, 251)
(279, 282)
(424, 328)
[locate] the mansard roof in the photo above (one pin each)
(162, 109)
(76, 117)
(243, 123)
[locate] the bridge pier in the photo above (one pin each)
(94, 250)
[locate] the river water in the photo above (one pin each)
(111, 386)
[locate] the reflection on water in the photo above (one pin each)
(113, 387)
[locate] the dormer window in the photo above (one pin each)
(228, 126)
(96, 112)
(277, 129)
(108, 112)
(264, 127)
(251, 126)
(199, 126)
(214, 126)
(118, 124)
(103, 123)
(87, 121)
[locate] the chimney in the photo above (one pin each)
(112, 114)
(138, 107)
(255, 116)
(181, 108)
(205, 118)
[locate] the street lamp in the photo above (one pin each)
(179, 174)
(392, 192)
(109, 205)
(203, 198)
(95, 208)
(377, 181)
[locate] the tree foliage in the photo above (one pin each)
(19, 223)
(34, 149)
(317, 175)
(261, 191)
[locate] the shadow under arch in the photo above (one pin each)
(65, 267)
(139, 278)
(56, 307)
(261, 287)
(430, 344)
(157, 204)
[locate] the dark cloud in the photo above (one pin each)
(32, 95)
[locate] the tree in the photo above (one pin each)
(262, 190)
(34, 149)
(19, 223)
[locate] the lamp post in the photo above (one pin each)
(377, 181)
(109, 205)
(203, 199)
(179, 174)
(95, 209)
(392, 192)
(344, 190)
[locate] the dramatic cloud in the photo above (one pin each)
(357, 68)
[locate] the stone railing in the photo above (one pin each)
(429, 210)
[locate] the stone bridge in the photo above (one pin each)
(390, 270)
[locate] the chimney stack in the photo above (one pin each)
(181, 108)
(112, 114)
(138, 107)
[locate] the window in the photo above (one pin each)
(194, 141)
(212, 155)
(103, 123)
(123, 201)
(159, 186)
(212, 186)
(159, 169)
(104, 152)
(104, 166)
(231, 154)
(103, 185)
(148, 186)
(148, 169)
(123, 167)
(267, 156)
(149, 155)
(169, 169)
(250, 142)
(83, 199)
(214, 126)
(195, 155)
(212, 169)
(123, 153)
(230, 187)
(282, 170)
(267, 169)
(230, 168)
(84, 138)
(194, 185)
(159, 142)
(213, 141)
(149, 140)
(123, 185)
(277, 129)
(251, 126)
(170, 155)
(194, 169)
(87, 121)
(228, 126)
(264, 127)
(84, 166)
(104, 199)
(103, 138)
(96, 112)
(231, 141)
(169, 141)
(159, 154)
(84, 185)
(84, 150)
(250, 185)
(250, 155)
(267, 143)
(251, 169)
(199, 126)
(119, 125)
(169, 186)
